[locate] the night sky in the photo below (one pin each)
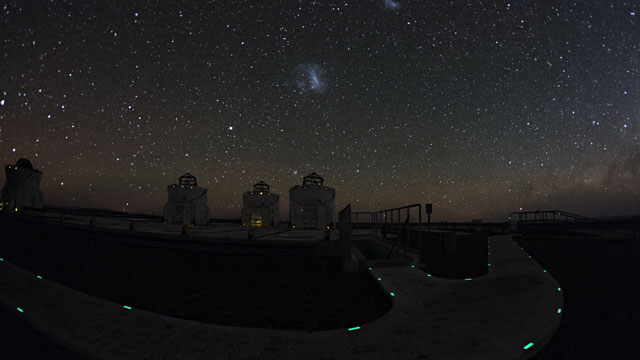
(480, 107)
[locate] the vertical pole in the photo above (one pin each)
(374, 227)
(384, 227)
(419, 232)
(406, 235)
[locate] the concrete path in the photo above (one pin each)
(508, 314)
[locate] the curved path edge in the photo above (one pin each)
(510, 313)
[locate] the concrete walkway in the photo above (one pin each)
(508, 314)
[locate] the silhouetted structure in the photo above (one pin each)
(187, 202)
(311, 204)
(260, 206)
(22, 187)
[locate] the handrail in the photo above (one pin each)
(543, 216)
(381, 215)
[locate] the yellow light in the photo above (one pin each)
(260, 192)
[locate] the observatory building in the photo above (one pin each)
(22, 187)
(260, 207)
(187, 202)
(311, 204)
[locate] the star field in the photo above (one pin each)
(481, 108)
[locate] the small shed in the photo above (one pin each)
(187, 202)
(260, 207)
(311, 205)
(22, 187)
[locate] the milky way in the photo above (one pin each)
(481, 108)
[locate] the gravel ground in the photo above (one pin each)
(601, 285)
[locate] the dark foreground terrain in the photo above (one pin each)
(20, 341)
(278, 295)
(600, 279)
(292, 293)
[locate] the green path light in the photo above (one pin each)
(528, 346)
(127, 307)
(392, 294)
(467, 279)
(369, 268)
(428, 274)
(559, 310)
(544, 270)
(379, 279)
(39, 277)
(354, 328)
(559, 289)
(413, 266)
(19, 309)
(1, 259)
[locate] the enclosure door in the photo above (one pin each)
(256, 217)
(310, 217)
(178, 213)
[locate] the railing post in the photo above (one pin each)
(345, 231)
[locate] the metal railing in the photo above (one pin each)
(548, 216)
(557, 221)
(387, 215)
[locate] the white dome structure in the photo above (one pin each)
(311, 204)
(260, 207)
(22, 187)
(187, 203)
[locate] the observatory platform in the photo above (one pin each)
(83, 232)
(213, 231)
(510, 313)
